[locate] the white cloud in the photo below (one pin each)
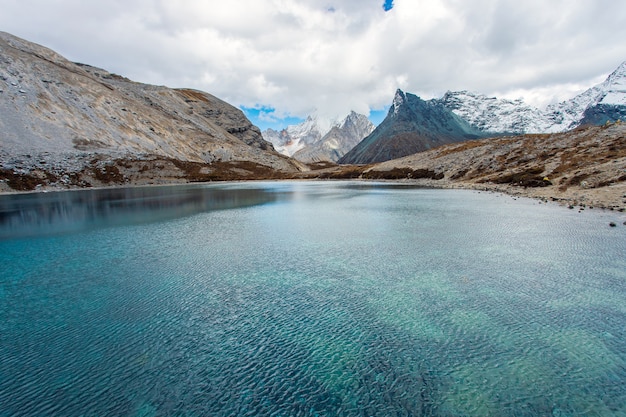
(298, 56)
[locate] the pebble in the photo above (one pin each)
(612, 224)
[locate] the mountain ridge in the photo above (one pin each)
(495, 115)
(316, 140)
(584, 167)
(412, 125)
(65, 121)
(404, 132)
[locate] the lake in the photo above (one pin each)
(309, 299)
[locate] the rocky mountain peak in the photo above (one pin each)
(412, 125)
(620, 72)
(320, 139)
(601, 103)
(493, 115)
(614, 88)
(398, 100)
(598, 104)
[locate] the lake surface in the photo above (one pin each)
(309, 299)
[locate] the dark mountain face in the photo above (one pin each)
(412, 125)
(603, 113)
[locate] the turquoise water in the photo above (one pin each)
(309, 299)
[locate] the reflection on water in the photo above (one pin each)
(59, 212)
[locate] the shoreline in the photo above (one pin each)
(610, 198)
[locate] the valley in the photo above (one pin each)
(67, 125)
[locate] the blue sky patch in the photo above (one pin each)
(265, 118)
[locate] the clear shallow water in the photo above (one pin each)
(309, 299)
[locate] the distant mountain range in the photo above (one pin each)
(597, 105)
(414, 125)
(316, 140)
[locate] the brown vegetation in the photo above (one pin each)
(583, 166)
(402, 173)
(586, 164)
(192, 95)
(155, 170)
(227, 171)
(19, 181)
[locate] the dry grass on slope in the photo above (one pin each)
(106, 172)
(584, 166)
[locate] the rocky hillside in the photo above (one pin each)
(76, 125)
(412, 125)
(585, 166)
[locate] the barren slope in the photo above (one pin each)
(60, 120)
(586, 166)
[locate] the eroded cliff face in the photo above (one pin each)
(59, 120)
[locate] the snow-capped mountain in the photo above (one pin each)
(295, 137)
(606, 98)
(414, 125)
(342, 137)
(605, 101)
(319, 139)
(490, 114)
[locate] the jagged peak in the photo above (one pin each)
(354, 118)
(398, 100)
(618, 75)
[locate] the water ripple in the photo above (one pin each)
(397, 302)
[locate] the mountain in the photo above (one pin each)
(73, 124)
(493, 115)
(338, 141)
(317, 139)
(295, 137)
(584, 166)
(412, 125)
(597, 105)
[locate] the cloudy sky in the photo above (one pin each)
(280, 60)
